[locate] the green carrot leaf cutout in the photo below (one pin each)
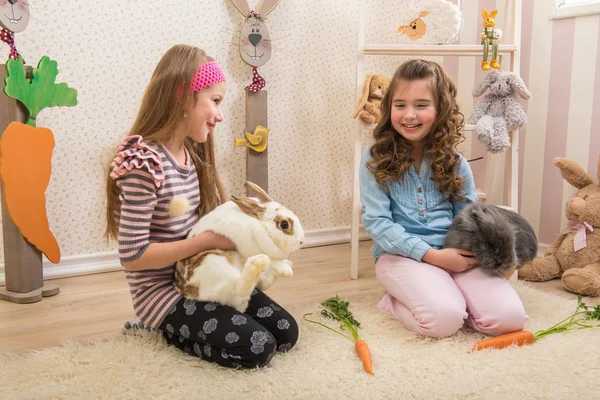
(39, 92)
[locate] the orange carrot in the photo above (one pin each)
(26, 151)
(337, 310)
(519, 338)
(584, 317)
(25, 176)
(365, 355)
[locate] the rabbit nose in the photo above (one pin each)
(255, 38)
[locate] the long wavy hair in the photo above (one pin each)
(160, 114)
(391, 154)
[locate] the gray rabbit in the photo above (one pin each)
(498, 238)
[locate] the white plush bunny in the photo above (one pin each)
(264, 233)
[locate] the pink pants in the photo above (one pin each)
(433, 302)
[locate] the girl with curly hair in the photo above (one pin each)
(413, 181)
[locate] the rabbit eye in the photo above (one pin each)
(257, 30)
(284, 225)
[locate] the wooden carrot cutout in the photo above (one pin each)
(585, 317)
(26, 152)
(337, 310)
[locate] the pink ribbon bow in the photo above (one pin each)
(579, 228)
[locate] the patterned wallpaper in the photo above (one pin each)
(107, 51)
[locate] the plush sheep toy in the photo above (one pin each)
(432, 22)
(499, 110)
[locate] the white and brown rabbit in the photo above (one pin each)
(499, 239)
(264, 232)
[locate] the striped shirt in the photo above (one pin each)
(150, 178)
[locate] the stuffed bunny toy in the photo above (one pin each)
(499, 238)
(255, 40)
(490, 35)
(574, 256)
(264, 233)
(499, 111)
(368, 109)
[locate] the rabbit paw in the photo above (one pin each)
(366, 118)
(284, 268)
(485, 129)
(258, 264)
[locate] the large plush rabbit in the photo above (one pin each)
(574, 256)
(499, 239)
(264, 233)
(499, 111)
(255, 40)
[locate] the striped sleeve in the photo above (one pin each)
(138, 199)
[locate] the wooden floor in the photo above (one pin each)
(94, 307)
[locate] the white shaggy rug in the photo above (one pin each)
(323, 365)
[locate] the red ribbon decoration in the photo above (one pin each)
(8, 37)
(258, 82)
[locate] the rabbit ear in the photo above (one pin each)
(494, 13)
(480, 216)
(483, 86)
(266, 6)
(365, 95)
(261, 194)
(573, 173)
(402, 28)
(424, 13)
(242, 6)
(485, 14)
(249, 206)
(519, 86)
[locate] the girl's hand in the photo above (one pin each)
(452, 260)
(211, 240)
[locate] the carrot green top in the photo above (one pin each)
(39, 92)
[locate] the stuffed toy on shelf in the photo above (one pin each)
(430, 22)
(499, 110)
(368, 109)
(490, 36)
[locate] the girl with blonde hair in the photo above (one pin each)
(170, 154)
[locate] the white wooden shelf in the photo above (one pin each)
(432, 50)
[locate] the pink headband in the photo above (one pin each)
(207, 75)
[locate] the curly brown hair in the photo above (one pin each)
(391, 154)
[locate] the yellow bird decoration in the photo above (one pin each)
(258, 141)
